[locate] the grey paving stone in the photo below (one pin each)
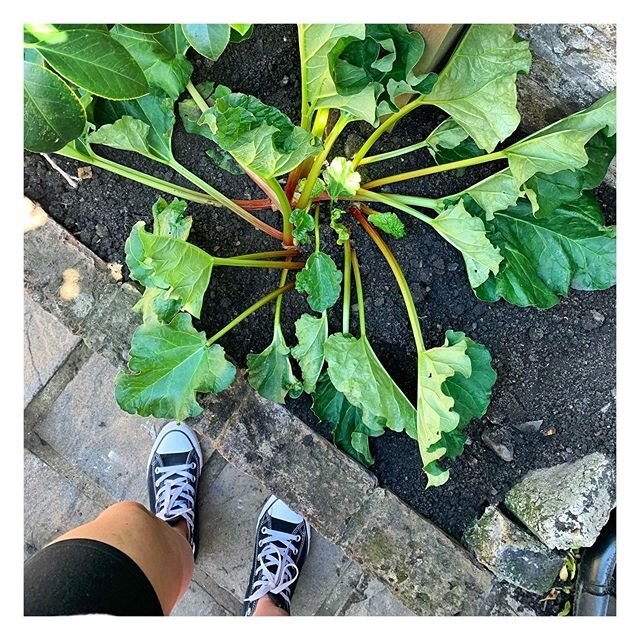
(62, 275)
(197, 602)
(321, 575)
(229, 507)
(426, 570)
(372, 598)
(264, 440)
(52, 505)
(86, 426)
(47, 344)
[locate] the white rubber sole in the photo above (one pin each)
(174, 426)
(267, 506)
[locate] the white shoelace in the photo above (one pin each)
(176, 494)
(275, 565)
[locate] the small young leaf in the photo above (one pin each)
(347, 427)
(93, 60)
(477, 86)
(312, 333)
(356, 372)
(467, 233)
(318, 188)
(168, 364)
(209, 40)
(320, 280)
(339, 227)
(161, 56)
(389, 223)
(303, 225)
(169, 219)
(341, 179)
(270, 373)
(53, 115)
(169, 263)
(584, 251)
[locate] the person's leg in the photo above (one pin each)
(127, 544)
(160, 550)
(281, 548)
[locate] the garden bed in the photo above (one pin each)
(556, 365)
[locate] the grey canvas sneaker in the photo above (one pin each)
(281, 548)
(173, 474)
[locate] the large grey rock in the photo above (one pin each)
(567, 505)
(47, 344)
(511, 553)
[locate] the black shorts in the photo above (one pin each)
(82, 576)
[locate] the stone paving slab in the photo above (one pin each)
(304, 469)
(54, 343)
(86, 426)
(52, 504)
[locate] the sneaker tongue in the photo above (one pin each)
(283, 525)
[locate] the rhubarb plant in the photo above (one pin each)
(528, 233)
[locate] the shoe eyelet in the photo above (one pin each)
(193, 465)
(156, 470)
(157, 483)
(263, 531)
(295, 552)
(298, 538)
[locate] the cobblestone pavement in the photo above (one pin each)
(370, 555)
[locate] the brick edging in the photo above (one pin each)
(427, 571)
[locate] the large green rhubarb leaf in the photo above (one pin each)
(161, 55)
(477, 87)
(270, 372)
(312, 333)
(349, 431)
(467, 233)
(171, 264)
(317, 42)
(168, 364)
(436, 414)
(545, 257)
(561, 145)
(258, 136)
(356, 372)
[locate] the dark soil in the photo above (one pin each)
(556, 365)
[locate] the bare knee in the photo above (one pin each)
(127, 509)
